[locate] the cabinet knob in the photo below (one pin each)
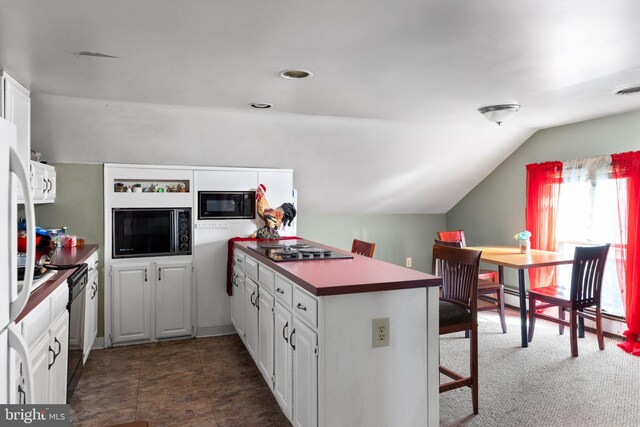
(280, 291)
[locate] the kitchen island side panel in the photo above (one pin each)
(384, 386)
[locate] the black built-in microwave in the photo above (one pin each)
(226, 204)
(143, 232)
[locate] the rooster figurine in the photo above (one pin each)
(273, 218)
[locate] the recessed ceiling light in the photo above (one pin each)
(627, 90)
(295, 74)
(97, 55)
(260, 106)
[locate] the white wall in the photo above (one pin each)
(342, 165)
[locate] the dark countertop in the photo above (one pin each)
(345, 276)
(60, 256)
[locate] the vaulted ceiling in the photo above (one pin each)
(420, 68)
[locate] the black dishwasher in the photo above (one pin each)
(77, 283)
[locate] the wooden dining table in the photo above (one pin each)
(509, 256)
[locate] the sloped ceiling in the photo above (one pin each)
(389, 119)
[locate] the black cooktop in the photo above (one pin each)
(280, 252)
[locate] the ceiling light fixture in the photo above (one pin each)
(295, 74)
(499, 113)
(633, 89)
(259, 106)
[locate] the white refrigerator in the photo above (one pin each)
(15, 385)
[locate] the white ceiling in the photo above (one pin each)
(423, 64)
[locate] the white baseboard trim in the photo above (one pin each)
(212, 331)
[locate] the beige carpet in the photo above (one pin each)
(541, 385)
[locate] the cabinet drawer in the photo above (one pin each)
(251, 268)
(36, 323)
(266, 278)
(92, 262)
(59, 300)
(305, 307)
(284, 291)
(238, 257)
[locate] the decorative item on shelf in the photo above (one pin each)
(273, 218)
(523, 241)
(136, 188)
(182, 188)
(119, 187)
(172, 188)
(127, 189)
(160, 190)
(152, 188)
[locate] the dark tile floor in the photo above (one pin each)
(197, 382)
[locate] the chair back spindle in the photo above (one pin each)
(588, 272)
(459, 271)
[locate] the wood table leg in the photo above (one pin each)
(523, 308)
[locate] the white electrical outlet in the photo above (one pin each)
(408, 262)
(380, 332)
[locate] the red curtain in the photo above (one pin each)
(626, 170)
(543, 194)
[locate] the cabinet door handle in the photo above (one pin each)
(54, 359)
(280, 291)
(251, 298)
(95, 290)
(301, 307)
(159, 274)
(145, 274)
(22, 396)
(284, 332)
(59, 347)
(258, 301)
(291, 339)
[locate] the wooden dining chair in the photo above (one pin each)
(363, 248)
(458, 308)
(585, 291)
(485, 288)
(458, 236)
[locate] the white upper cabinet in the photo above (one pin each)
(16, 108)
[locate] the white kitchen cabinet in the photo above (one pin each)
(39, 357)
(237, 301)
(283, 359)
(173, 299)
(58, 354)
(131, 303)
(46, 331)
(43, 182)
(265, 334)
(143, 292)
(251, 317)
(305, 375)
(15, 106)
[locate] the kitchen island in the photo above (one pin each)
(309, 325)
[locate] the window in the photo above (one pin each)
(588, 215)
